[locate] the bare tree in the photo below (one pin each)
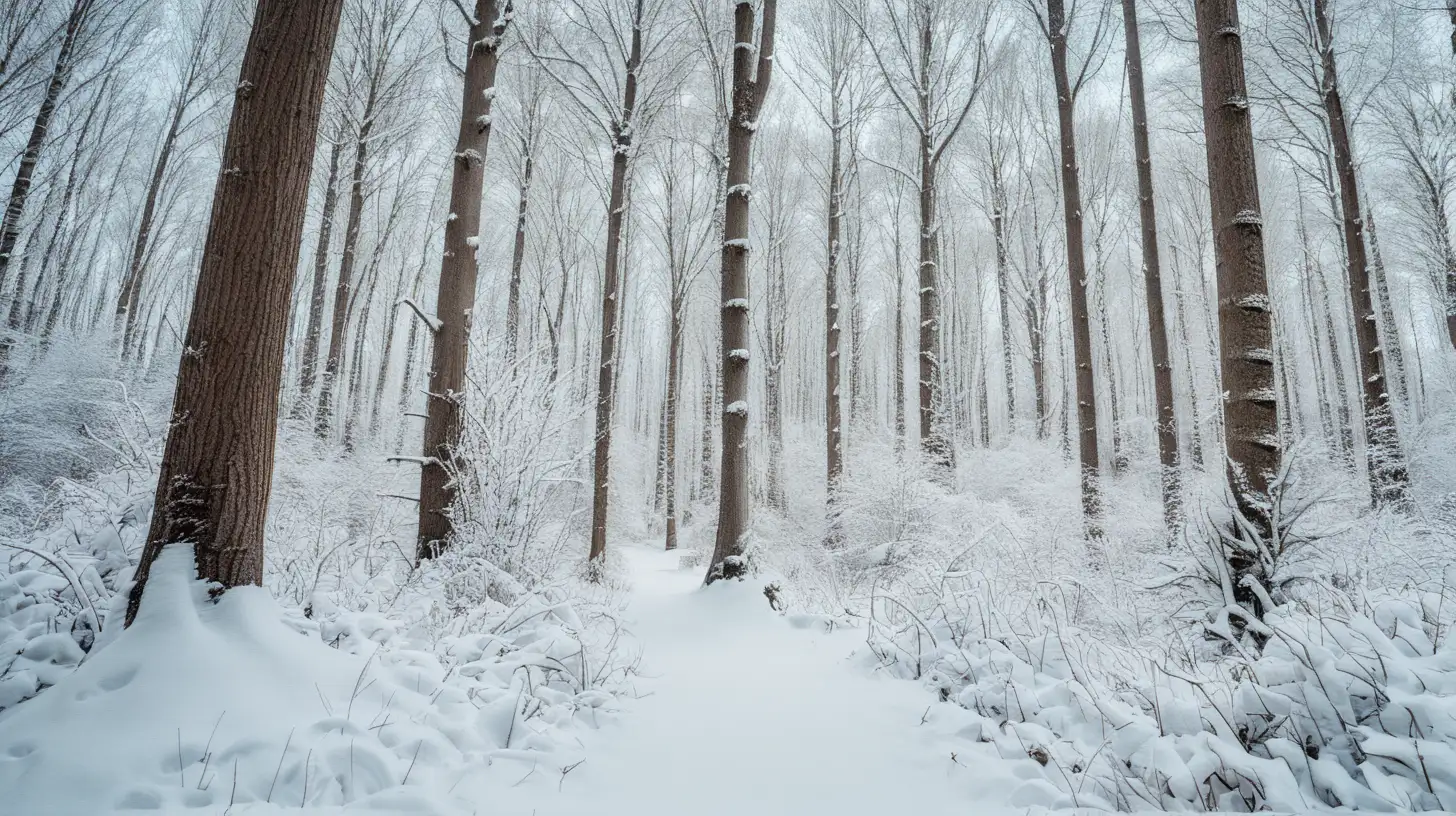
(1251, 429)
(603, 76)
(459, 268)
(213, 483)
(1167, 417)
(752, 71)
(934, 59)
(1054, 26)
(204, 62)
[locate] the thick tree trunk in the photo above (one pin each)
(308, 364)
(1077, 271)
(1251, 430)
(1383, 456)
(1167, 416)
(749, 90)
(450, 354)
(610, 326)
(213, 484)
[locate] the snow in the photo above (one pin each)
(743, 710)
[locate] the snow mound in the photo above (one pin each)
(206, 704)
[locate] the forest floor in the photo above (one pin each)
(741, 710)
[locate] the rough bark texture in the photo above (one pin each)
(1390, 342)
(216, 471)
(1003, 289)
(1167, 422)
(455, 301)
(750, 86)
(308, 365)
(1077, 272)
(1383, 458)
(1251, 430)
(611, 325)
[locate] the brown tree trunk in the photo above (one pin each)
(1251, 430)
(308, 364)
(450, 354)
(343, 290)
(213, 484)
(833, 438)
(20, 188)
(1167, 417)
(130, 296)
(1383, 456)
(1077, 271)
(749, 89)
(610, 327)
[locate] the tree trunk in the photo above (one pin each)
(669, 433)
(1383, 456)
(343, 290)
(20, 188)
(130, 296)
(749, 90)
(899, 367)
(1167, 416)
(308, 364)
(213, 484)
(450, 354)
(833, 444)
(1077, 271)
(1003, 289)
(1390, 343)
(518, 252)
(1251, 430)
(610, 328)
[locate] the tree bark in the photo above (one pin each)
(450, 354)
(1003, 288)
(833, 437)
(518, 249)
(1077, 272)
(1167, 416)
(607, 365)
(344, 288)
(1251, 430)
(216, 471)
(1383, 457)
(308, 365)
(669, 409)
(749, 89)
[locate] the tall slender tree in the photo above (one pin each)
(459, 268)
(752, 71)
(1251, 428)
(1167, 417)
(213, 483)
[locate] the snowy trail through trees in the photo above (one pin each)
(743, 713)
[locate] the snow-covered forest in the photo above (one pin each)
(727, 406)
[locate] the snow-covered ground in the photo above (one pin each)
(206, 707)
(746, 711)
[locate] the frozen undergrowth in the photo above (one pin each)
(1095, 671)
(384, 684)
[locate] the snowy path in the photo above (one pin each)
(744, 714)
